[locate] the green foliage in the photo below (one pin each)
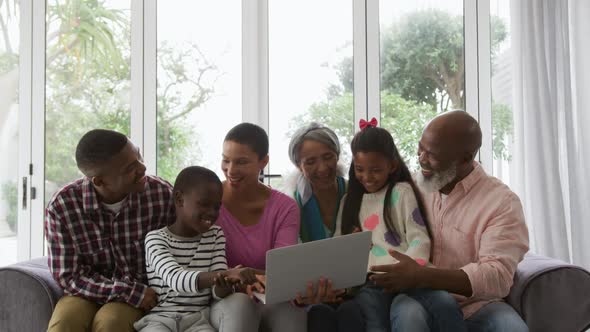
(8, 61)
(185, 83)
(422, 73)
(404, 118)
(177, 147)
(10, 196)
(498, 34)
(88, 87)
(502, 130)
(422, 58)
(88, 30)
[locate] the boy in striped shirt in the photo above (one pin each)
(187, 267)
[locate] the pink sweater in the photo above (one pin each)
(479, 229)
(278, 227)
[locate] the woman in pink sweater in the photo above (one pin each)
(256, 218)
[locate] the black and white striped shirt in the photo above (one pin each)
(173, 264)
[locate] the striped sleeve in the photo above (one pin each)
(218, 259)
(161, 258)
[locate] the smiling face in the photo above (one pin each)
(318, 163)
(438, 167)
(198, 209)
(241, 165)
(372, 170)
(121, 175)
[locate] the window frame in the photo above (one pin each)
(255, 90)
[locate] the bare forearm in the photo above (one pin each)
(223, 291)
(453, 281)
(206, 279)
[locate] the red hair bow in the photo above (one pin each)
(364, 123)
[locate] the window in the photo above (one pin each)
(502, 119)
(87, 79)
(9, 124)
(422, 67)
(199, 82)
(310, 73)
(277, 63)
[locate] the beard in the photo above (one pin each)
(437, 180)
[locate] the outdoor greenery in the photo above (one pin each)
(88, 85)
(9, 194)
(422, 74)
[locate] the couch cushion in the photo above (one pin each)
(29, 295)
(551, 295)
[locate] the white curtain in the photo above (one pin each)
(551, 104)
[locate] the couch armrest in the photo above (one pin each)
(551, 295)
(29, 294)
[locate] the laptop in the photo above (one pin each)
(342, 259)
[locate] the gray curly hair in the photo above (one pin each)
(316, 132)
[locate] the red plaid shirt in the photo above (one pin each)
(96, 254)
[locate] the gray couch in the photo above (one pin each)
(549, 294)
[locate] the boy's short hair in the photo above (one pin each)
(251, 135)
(97, 147)
(193, 176)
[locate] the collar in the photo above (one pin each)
(89, 196)
(471, 179)
(90, 201)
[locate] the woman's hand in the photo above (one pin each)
(257, 286)
(322, 294)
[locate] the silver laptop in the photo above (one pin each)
(342, 259)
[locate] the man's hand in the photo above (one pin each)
(323, 293)
(150, 299)
(396, 277)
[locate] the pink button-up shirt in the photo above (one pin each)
(479, 229)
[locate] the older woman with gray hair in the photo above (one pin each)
(319, 185)
(318, 189)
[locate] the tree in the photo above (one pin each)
(502, 130)
(185, 83)
(405, 118)
(422, 73)
(422, 58)
(87, 86)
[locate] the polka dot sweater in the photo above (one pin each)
(409, 236)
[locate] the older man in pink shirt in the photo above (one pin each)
(478, 229)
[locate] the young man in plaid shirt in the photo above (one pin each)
(95, 229)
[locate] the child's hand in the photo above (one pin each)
(244, 275)
(222, 281)
(150, 300)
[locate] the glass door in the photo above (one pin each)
(10, 120)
